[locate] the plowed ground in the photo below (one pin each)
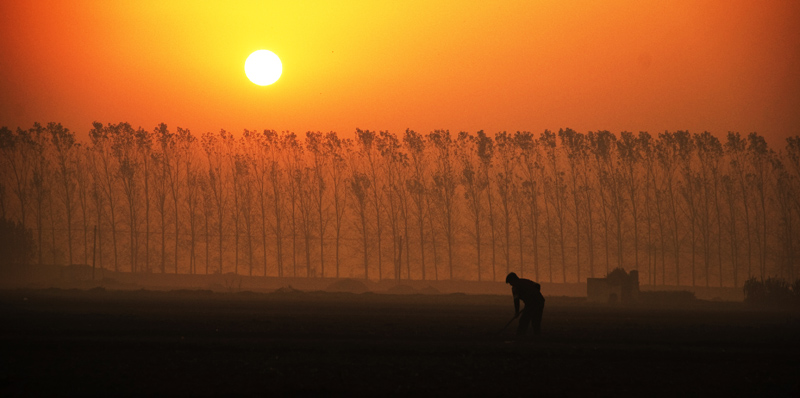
(111, 343)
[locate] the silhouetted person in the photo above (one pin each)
(530, 293)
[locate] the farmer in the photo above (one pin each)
(530, 293)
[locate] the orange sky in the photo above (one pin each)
(459, 65)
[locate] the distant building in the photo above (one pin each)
(618, 287)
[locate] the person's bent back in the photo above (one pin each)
(529, 292)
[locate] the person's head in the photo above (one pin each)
(511, 278)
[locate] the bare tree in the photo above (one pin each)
(124, 149)
(244, 188)
(735, 148)
(760, 157)
(506, 161)
(292, 154)
(183, 140)
(66, 151)
(369, 153)
(19, 155)
(474, 184)
(237, 173)
(668, 156)
(319, 163)
(709, 151)
(97, 200)
(518, 195)
(208, 209)
(359, 185)
(444, 188)
(338, 151)
(630, 157)
(104, 168)
(144, 141)
(255, 145)
(729, 191)
(574, 146)
(393, 164)
(782, 191)
(271, 144)
(192, 201)
(653, 215)
(601, 145)
(611, 177)
(303, 180)
(40, 182)
(433, 220)
(83, 187)
(162, 163)
(216, 182)
(558, 192)
(792, 162)
(689, 190)
(416, 186)
(530, 172)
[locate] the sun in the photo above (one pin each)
(263, 67)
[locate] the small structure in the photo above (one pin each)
(618, 286)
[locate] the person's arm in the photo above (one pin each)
(516, 305)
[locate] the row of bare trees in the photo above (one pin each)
(681, 208)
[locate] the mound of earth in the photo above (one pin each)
(401, 289)
(429, 290)
(288, 289)
(348, 286)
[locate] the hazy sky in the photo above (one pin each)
(390, 65)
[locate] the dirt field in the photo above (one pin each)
(70, 342)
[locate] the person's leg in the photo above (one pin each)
(536, 318)
(524, 320)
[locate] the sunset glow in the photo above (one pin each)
(514, 65)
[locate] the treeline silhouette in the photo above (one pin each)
(681, 208)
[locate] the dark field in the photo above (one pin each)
(59, 342)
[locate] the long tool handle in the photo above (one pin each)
(509, 322)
